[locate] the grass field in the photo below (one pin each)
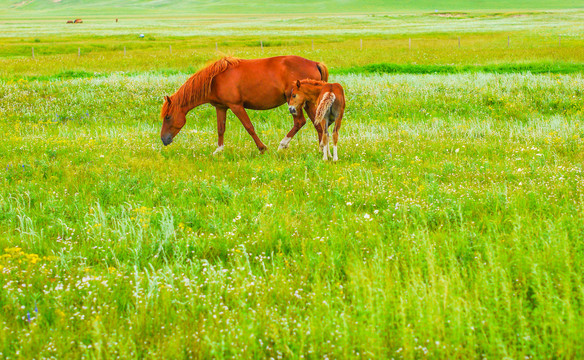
(451, 227)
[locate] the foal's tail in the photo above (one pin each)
(323, 71)
(324, 107)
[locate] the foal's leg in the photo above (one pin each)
(239, 111)
(311, 112)
(324, 145)
(221, 120)
(299, 122)
(336, 137)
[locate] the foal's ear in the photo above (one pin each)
(167, 100)
(298, 84)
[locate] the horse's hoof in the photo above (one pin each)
(284, 143)
(263, 149)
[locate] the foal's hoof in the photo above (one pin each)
(263, 149)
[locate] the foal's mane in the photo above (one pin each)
(198, 86)
(312, 82)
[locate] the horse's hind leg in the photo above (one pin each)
(221, 120)
(239, 111)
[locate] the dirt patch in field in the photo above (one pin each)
(451, 14)
(464, 15)
(22, 3)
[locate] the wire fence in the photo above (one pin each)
(410, 46)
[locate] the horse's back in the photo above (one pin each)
(288, 67)
(261, 84)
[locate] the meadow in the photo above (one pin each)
(451, 227)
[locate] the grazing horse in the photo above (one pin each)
(329, 100)
(238, 84)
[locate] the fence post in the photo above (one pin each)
(124, 51)
(33, 52)
(216, 47)
(410, 41)
(78, 52)
(361, 41)
(459, 42)
(508, 37)
(170, 49)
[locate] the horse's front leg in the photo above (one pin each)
(221, 120)
(241, 114)
(299, 122)
(311, 111)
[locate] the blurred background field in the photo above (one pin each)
(183, 43)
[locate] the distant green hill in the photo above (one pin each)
(152, 7)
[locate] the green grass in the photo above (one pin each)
(451, 227)
(534, 68)
(142, 7)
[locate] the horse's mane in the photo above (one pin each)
(198, 86)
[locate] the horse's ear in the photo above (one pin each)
(167, 99)
(298, 84)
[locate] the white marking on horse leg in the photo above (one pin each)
(219, 149)
(335, 157)
(325, 152)
(284, 143)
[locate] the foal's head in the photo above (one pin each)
(173, 119)
(297, 98)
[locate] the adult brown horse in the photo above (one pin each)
(238, 84)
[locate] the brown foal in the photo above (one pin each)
(329, 100)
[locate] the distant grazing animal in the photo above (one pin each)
(70, 21)
(78, 21)
(330, 102)
(238, 84)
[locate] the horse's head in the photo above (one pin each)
(173, 119)
(297, 98)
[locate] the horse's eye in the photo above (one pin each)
(294, 95)
(167, 117)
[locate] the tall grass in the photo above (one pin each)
(451, 227)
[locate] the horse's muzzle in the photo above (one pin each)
(166, 139)
(292, 110)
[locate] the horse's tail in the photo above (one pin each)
(324, 107)
(323, 71)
